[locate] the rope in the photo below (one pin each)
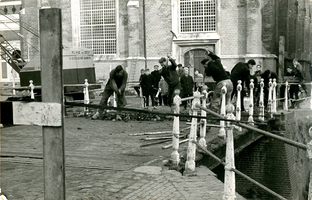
(25, 27)
(20, 36)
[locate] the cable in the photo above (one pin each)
(28, 27)
(20, 36)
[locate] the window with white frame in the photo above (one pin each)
(197, 15)
(98, 25)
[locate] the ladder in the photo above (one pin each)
(12, 56)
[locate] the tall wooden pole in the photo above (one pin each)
(281, 57)
(52, 91)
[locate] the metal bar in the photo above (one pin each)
(238, 172)
(266, 133)
(170, 145)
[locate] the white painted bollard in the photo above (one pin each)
(86, 99)
(270, 101)
(203, 122)
(175, 157)
(274, 105)
(32, 87)
(229, 175)
(311, 96)
(191, 149)
(251, 103)
(142, 98)
(261, 101)
(286, 97)
(114, 100)
(223, 112)
(238, 102)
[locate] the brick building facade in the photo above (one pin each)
(235, 30)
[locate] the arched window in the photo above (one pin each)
(98, 25)
(197, 16)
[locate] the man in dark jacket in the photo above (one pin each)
(157, 77)
(171, 76)
(214, 68)
(187, 85)
(241, 71)
(116, 83)
(148, 85)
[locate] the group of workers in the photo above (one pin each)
(171, 77)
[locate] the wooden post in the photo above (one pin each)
(32, 87)
(52, 91)
(274, 107)
(270, 98)
(203, 122)
(223, 112)
(86, 96)
(229, 175)
(191, 149)
(238, 102)
(251, 103)
(175, 157)
(281, 58)
(286, 96)
(261, 101)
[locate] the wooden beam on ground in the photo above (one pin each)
(52, 91)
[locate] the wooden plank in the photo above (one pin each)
(37, 113)
(52, 91)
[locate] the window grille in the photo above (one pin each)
(197, 15)
(98, 25)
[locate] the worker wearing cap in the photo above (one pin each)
(214, 68)
(116, 83)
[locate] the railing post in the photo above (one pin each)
(191, 150)
(309, 155)
(274, 107)
(238, 102)
(203, 122)
(311, 96)
(32, 87)
(114, 100)
(86, 96)
(286, 96)
(13, 82)
(251, 103)
(261, 101)
(270, 98)
(175, 158)
(142, 98)
(223, 112)
(229, 175)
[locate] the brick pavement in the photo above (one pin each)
(102, 162)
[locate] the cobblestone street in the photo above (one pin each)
(102, 162)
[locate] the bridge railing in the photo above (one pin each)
(229, 189)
